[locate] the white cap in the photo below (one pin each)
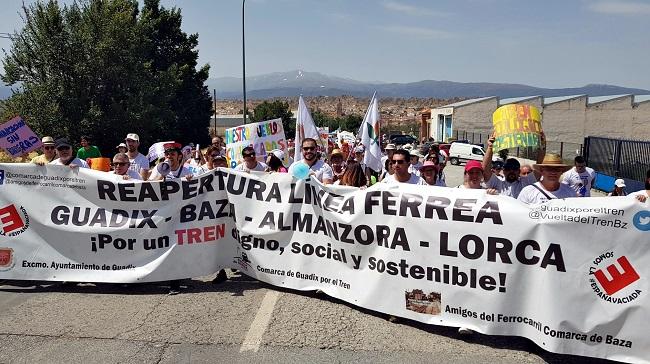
(132, 136)
(619, 183)
(359, 149)
(278, 153)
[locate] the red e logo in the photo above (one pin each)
(620, 279)
(10, 219)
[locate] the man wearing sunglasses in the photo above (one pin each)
(121, 167)
(400, 164)
(250, 162)
(49, 152)
(174, 164)
(318, 169)
(213, 159)
(65, 155)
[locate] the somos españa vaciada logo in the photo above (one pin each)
(6, 258)
(614, 279)
(13, 222)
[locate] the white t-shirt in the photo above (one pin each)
(259, 167)
(532, 195)
(171, 175)
(580, 182)
(439, 183)
(131, 173)
(81, 163)
(415, 168)
(139, 163)
(321, 170)
(513, 189)
(414, 180)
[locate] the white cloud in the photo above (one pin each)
(419, 32)
(409, 9)
(620, 8)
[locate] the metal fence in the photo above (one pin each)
(567, 150)
(627, 159)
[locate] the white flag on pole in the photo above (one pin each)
(370, 136)
(305, 128)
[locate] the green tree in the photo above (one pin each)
(174, 58)
(94, 68)
(273, 110)
(349, 122)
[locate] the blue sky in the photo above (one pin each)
(551, 43)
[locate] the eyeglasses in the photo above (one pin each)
(119, 164)
(308, 148)
(48, 147)
(398, 161)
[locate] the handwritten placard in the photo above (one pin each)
(516, 126)
(17, 138)
(264, 136)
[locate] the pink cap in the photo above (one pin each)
(473, 164)
(428, 164)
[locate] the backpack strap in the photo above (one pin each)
(542, 191)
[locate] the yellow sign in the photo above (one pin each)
(516, 126)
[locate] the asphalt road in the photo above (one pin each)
(238, 321)
(47, 322)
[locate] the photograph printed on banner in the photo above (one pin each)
(418, 301)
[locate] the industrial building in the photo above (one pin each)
(566, 118)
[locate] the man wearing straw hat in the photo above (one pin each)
(49, 152)
(549, 187)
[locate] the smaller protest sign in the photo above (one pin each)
(264, 136)
(345, 136)
(516, 126)
(17, 138)
(323, 142)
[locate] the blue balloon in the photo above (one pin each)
(301, 171)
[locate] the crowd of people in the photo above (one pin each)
(549, 178)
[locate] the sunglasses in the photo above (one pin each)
(120, 164)
(48, 147)
(308, 148)
(63, 148)
(398, 161)
(246, 155)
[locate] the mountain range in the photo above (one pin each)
(294, 83)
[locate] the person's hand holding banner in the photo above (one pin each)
(516, 126)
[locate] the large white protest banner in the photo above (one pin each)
(571, 275)
(263, 136)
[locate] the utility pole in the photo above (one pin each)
(243, 57)
(214, 98)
